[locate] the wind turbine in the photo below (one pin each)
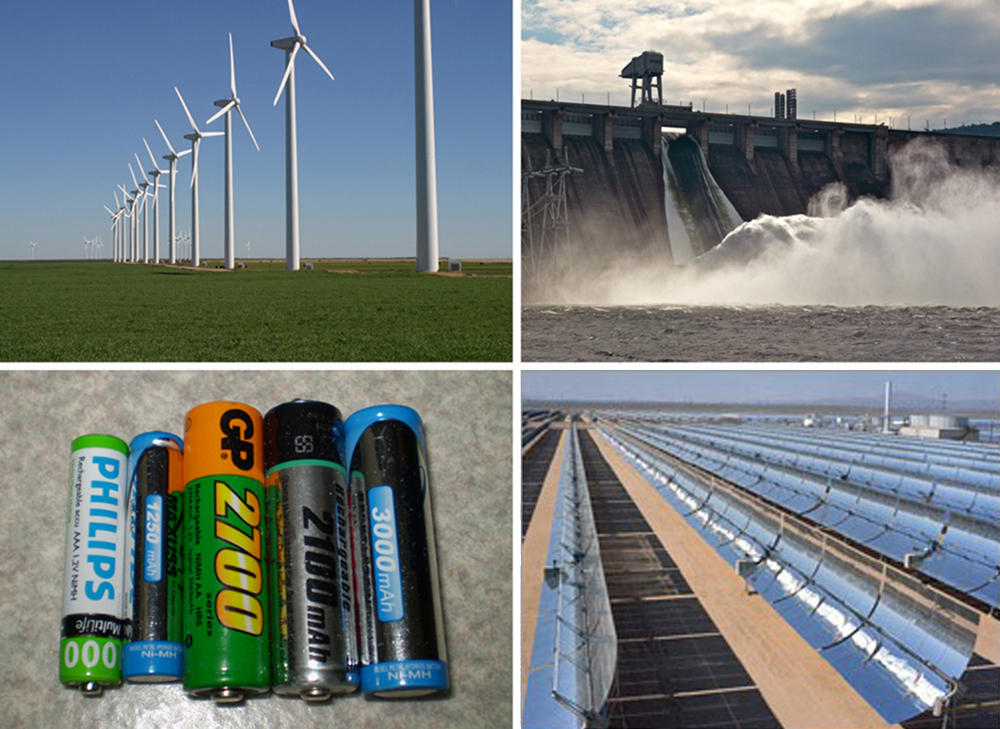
(155, 184)
(133, 247)
(35, 244)
(115, 227)
(195, 138)
(122, 213)
(227, 108)
(427, 224)
(144, 186)
(291, 47)
(172, 159)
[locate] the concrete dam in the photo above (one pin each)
(664, 183)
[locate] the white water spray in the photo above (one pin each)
(936, 241)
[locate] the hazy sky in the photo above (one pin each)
(81, 83)
(772, 387)
(929, 59)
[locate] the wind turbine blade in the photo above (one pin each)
(221, 111)
(108, 209)
(232, 67)
(139, 162)
(190, 118)
(117, 204)
(248, 128)
(321, 64)
(213, 134)
(288, 70)
(295, 21)
(186, 151)
(133, 174)
(169, 145)
(152, 157)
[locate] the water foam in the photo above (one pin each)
(936, 241)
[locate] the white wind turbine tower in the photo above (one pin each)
(227, 108)
(35, 244)
(172, 159)
(114, 230)
(130, 254)
(427, 224)
(122, 213)
(128, 230)
(144, 186)
(155, 184)
(291, 47)
(195, 138)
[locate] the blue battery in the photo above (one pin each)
(154, 653)
(401, 628)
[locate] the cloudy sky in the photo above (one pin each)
(927, 59)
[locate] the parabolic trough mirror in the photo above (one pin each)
(839, 549)
(575, 647)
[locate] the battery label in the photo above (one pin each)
(96, 538)
(388, 585)
(153, 540)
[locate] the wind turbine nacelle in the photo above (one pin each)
(285, 44)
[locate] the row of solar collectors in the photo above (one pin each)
(898, 644)
(981, 456)
(914, 452)
(959, 548)
(529, 434)
(989, 429)
(964, 486)
(573, 657)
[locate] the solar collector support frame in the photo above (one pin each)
(824, 588)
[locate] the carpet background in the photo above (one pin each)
(468, 421)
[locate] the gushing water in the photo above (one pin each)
(936, 241)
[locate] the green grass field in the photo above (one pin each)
(99, 311)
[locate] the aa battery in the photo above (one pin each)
(156, 485)
(226, 642)
(93, 598)
(401, 631)
(313, 632)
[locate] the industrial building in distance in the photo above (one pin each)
(751, 568)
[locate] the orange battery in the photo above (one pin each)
(226, 641)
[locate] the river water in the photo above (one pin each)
(760, 334)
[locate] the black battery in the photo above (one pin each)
(401, 628)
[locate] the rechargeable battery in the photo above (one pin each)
(226, 641)
(93, 626)
(313, 630)
(156, 482)
(401, 631)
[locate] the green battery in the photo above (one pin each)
(226, 641)
(93, 623)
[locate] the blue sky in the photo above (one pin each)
(761, 387)
(931, 60)
(82, 83)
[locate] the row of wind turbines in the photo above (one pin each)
(125, 218)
